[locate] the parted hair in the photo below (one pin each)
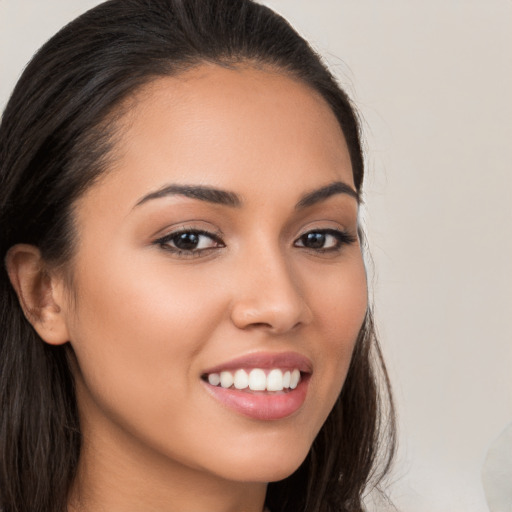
(56, 135)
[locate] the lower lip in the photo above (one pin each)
(260, 405)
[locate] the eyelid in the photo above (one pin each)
(343, 236)
(325, 225)
(165, 240)
(199, 232)
(197, 225)
(170, 242)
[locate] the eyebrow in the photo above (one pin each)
(227, 198)
(321, 194)
(208, 194)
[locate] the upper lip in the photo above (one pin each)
(266, 360)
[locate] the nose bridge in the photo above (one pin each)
(269, 293)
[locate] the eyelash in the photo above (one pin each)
(342, 238)
(165, 241)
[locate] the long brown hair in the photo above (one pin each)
(55, 137)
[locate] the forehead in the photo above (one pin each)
(242, 129)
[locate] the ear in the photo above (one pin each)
(40, 293)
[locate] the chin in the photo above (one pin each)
(268, 465)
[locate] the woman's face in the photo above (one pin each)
(221, 245)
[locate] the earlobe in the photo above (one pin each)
(39, 293)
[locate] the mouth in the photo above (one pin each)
(256, 379)
(261, 386)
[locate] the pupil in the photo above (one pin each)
(314, 240)
(186, 241)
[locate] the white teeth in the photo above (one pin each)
(241, 379)
(226, 379)
(275, 381)
(257, 379)
(214, 379)
(286, 379)
(294, 379)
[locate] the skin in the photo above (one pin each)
(145, 322)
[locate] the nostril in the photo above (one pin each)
(257, 325)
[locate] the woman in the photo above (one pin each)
(184, 305)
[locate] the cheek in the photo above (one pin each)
(340, 302)
(136, 339)
(343, 306)
(137, 327)
(340, 309)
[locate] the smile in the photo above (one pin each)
(261, 386)
(256, 379)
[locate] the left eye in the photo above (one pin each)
(324, 240)
(190, 241)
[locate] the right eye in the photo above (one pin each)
(190, 242)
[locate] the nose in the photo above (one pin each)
(269, 295)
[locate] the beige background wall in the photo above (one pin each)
(432, 80)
